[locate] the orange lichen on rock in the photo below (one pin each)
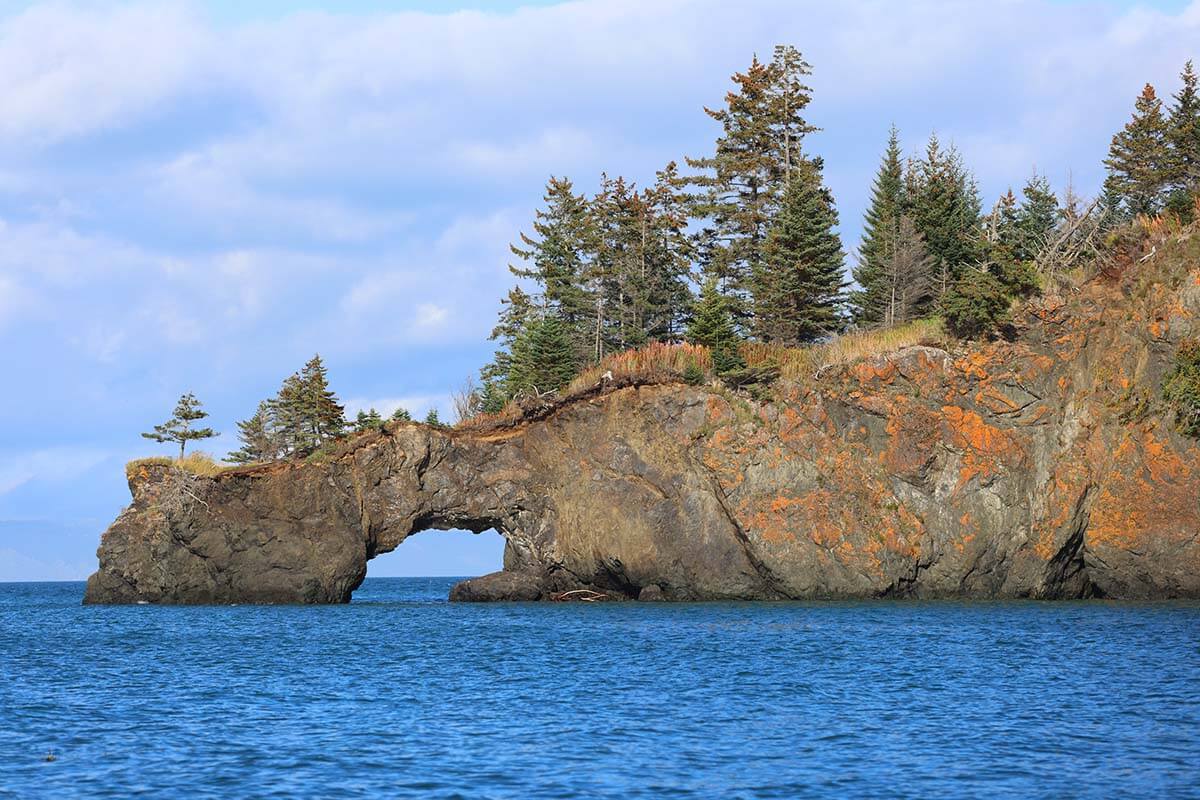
(985, 448)
(1150, 495)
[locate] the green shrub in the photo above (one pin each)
(1182, 388)
(975, 306)
(693, 373)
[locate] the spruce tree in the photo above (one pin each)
(881, 225)
(515, 312)
(1013, 231)
(306, 413)
(401, 415)
(1139, 160)
(1183, 136)
(618, 279)
(179, 428)
(668, 253)
(942, 198)
(543, 359)
(1036, 218)
(326, 416)
(712, 326)
(369, 420)
(741, 184)
(558, 258)
(975, 305)
(259, 440)
(798, 286)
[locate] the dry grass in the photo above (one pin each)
(656, 361)
(665, 363)
(801, 363)
(198, 463)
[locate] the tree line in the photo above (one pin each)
(743, 245)
(304, 416)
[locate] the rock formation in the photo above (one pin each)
(1039, 467)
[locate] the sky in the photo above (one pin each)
(198, 197)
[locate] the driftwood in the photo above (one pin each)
(580, 596)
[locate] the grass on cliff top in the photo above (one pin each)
(664, 363)
(198, 463)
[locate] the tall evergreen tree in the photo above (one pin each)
(259, 440)
(619, 278)
(1138, 159)
(640, 271)
(543, 358)
(880, 228)
(559, 260)
(798, 286)
(942, 198)
(1183, 136)
(178, 428)
(741, 184)
(668, 254)
(326, 415)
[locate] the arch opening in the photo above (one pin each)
(440, 557)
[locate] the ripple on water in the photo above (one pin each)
(401, 694)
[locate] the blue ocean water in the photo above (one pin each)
(401, 694)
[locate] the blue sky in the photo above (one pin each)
(194, 197)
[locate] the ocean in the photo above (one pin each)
(401, 694)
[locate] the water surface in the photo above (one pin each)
(401, 694)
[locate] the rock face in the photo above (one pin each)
(1030, 468)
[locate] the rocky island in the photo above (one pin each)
(1041, 465)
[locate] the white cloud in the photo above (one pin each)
(429, 317)
(56, 464)
(67, 71)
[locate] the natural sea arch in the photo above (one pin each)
(436, 553)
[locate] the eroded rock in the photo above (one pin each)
(999, 471)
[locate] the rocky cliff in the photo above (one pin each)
(1039, 467)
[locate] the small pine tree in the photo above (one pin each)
(1138, 159)
(712, 326)
(306, 413)
(798, 285)
(492, 397)
(369, 420)
(401, 415)
(432, 419)
(975, 305)
(1036, 218)
(258, 437)
(543, 358)
(179, 427)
